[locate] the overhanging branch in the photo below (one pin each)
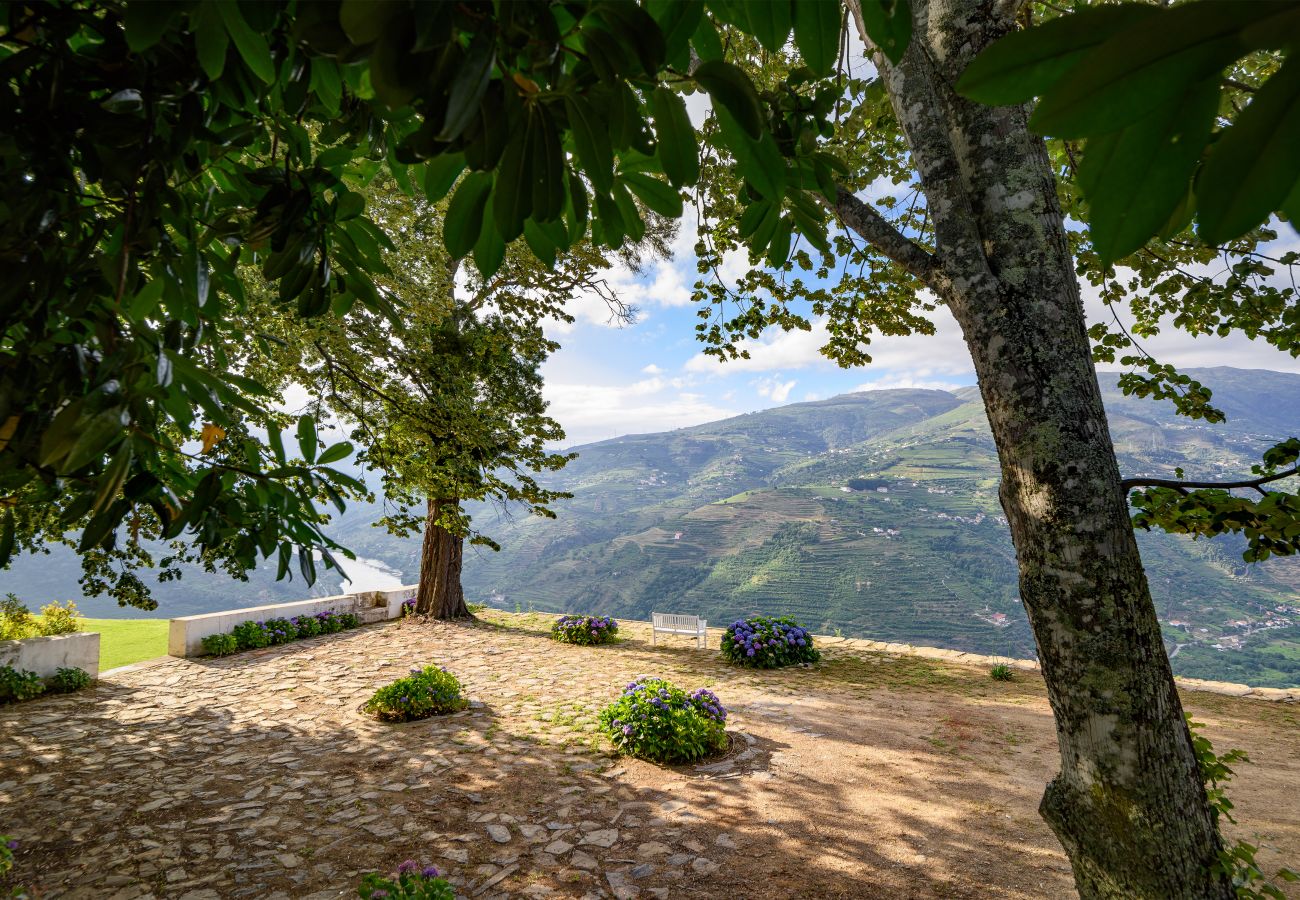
(863, 219)
(1257, 484)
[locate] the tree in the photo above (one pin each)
(445, 404)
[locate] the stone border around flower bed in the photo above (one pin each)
(186, 633)
(46, 655)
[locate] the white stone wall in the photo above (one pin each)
(186, 634)
(45, 655)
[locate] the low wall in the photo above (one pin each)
(45, 655)
(186, 634)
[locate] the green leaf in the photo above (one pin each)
(760, 162)
(633, 224)
(1145, 66)
(540, 243)
(1025, 64)
(731, 89)
(251, 45)
(114, 476)
(469, 85)
(512, 199)
(7, 535)
(678, 20)
(146, 22)
(548, 168)
(94, 439)
(307, 438)
(276, 441)
(1135, 178)
(779, 248)
(341, 450)
(363, 21)
(210, 40)
(440, 173)
(707, 43)
(817, 33)
(889, 25)
(1255, 164)
(591, 141)
(679, 151)
(489, 249)
(464, 219)
(146, 299)
(657, 196)
(769, 21)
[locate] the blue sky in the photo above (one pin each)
(652, 376)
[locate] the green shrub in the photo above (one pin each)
(16, 686)
(764, 642)
(66, 681)
(429, 691)
(251, 635)
(7, 848)
(58, 619)
(1001, 672)
(660, 722)
(280, 631)
(1236, 861)
(330, 622)
(220, 644)
(412, 882)
(585, 630)
(349, 620)
(307, 626)
(16, 620)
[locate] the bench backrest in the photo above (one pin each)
(672, 620)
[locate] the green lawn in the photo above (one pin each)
(124, 641)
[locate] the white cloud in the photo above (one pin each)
(595, 412)
(774, 389)
(652, 369)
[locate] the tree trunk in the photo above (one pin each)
(440, 594)
(1128, 805)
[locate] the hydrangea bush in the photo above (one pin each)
(658, 721)
(252, 635)
(428, 691)
(585, 630)
(412, 881)
(764, 642)
(68, 680)
(16, 685)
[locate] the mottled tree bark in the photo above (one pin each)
(1128, 804)
(440, 594)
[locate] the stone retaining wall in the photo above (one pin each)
(46, 655)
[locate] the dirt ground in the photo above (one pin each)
(869, 775)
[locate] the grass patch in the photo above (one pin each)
(126, 641)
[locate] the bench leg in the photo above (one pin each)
(654, 638)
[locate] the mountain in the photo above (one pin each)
(872, 514)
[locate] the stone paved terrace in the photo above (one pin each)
(870, 775)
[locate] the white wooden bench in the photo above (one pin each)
(670, 623)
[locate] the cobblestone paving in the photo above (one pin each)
(256, 776)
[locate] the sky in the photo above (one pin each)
(652, 376)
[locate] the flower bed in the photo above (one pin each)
(412, 882)
(763, 642)
(252, 635)
(585, 630)
(658, 721)
(17, 685)
(430, 691)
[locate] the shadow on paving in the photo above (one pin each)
(255, 776)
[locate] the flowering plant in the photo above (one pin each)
(411, 881)
(656, 720)
(584, 630)
(16, 685)
(70, 679)
(429, 691)
(7, 848)
(764, 642)
(408, 607)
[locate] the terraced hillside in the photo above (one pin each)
(876, 514)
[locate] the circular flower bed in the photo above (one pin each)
(430, 691)
(585, 630)
(764, 642)
(658, 721)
